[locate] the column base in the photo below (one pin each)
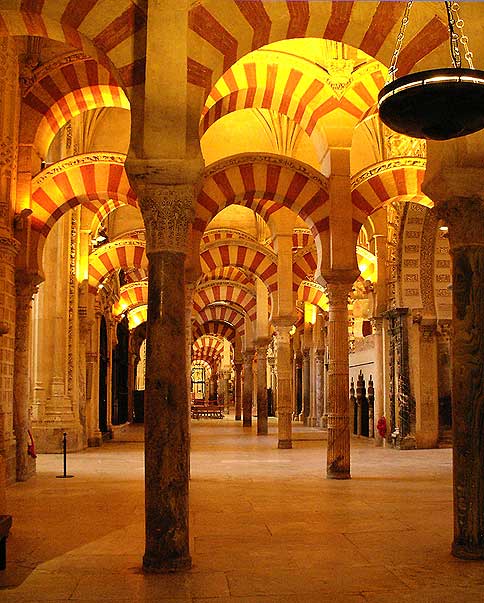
(48, 438)
(462, 551)
(238, 418)
(165, 566)
(95, 441)
(339, 475)
(284, 444)
(246, 424)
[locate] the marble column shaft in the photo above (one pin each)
(8, 251)
(248, 356)
(25, 289)
(238, 390)
(284, 387)
(306, 389)
(465, 219)
(338, 457)
(262, 409)
(166, 211)
(378, 378)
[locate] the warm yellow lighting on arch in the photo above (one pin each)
(310, 312)
(137, 315)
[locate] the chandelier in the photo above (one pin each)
(436, 104)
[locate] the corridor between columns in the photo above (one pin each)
(250, 539)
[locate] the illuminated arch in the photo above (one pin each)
(243, 254)
(127, 253)
(60, 92)
(392, 179)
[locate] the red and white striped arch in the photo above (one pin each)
(243, 254)
(217, 328)
(312, 293)
(304, 266)
(123, 254)
(62, 91)
(226, 292)
(262, 182)
(228, 273)
(291, 86)
(223, 32)
(111, 33)
(137, 316)
(134, 275)
(101, 209)
(396, 178)
(130, 296)
(79, 179)
(207, 348)
(222, 313)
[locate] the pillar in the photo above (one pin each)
(262, 416)
(465, 219)
(248, 357)
(8, 253)
(166, 210)
(338, 456)
(284, 386)
(25, 289)
(425, 382)
(238, 390)
(378, 377)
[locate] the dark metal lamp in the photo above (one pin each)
(437, 104)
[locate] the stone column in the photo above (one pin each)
(319, 378)
(262, 417)
(238, 390)
(465, 219)
(189, 291)
(425, 382)
(248, 357)
(166, 212)
(378, 377)
(131, 376)
(338, 457)
(25, 288)
(8, 252)
(284, 386)
(306, 391)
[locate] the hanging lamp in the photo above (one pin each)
(437, 104)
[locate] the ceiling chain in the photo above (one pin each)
(401, 34)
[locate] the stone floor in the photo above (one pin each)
(266, 526)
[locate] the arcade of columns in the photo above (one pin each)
(286, 241)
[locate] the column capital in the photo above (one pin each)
(9, 246)
(465, 218)
(167, 213)
(338, 293)
(166, 190)
(248, 356)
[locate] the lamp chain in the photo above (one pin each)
(454, 37)
(464, 40)
(401, 34)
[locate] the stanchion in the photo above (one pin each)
(64, 443)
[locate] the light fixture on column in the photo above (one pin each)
(437, 104)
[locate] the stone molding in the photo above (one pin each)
(77, 160)
(268, 159)
(387, 166)
(9, 246)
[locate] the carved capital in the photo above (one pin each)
(465, 218)
(338, 295)
(9, 247)
(167, 213)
